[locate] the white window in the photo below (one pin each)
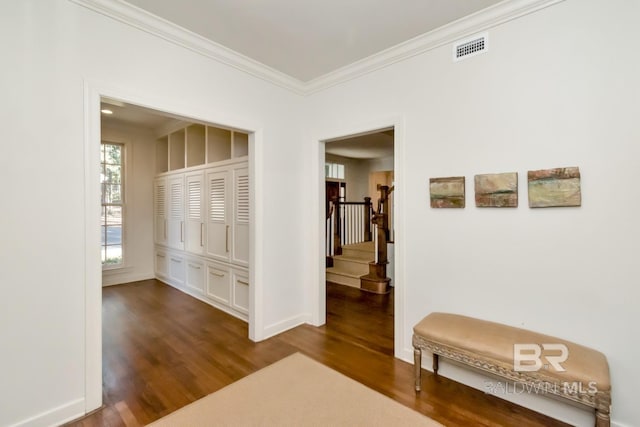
(334, 170)
(111, 222)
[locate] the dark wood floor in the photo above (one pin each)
(163, 349)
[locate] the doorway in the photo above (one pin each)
(359, 236)
(94, 96)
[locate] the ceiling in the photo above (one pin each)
(308, 39)
(130, 114)
(370, 146)
(303, 39)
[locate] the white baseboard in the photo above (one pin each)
(56, 416)
(115, 277)
(579, 416)
(268, 331)
(198, 295)
(284, 325)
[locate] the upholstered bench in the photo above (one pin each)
(542, 363)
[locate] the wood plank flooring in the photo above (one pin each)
(163, 349)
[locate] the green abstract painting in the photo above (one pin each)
(447, 192)
(497, 190)
(554, 187)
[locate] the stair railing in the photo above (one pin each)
(380, 220)
(348, 223)
(377, 280)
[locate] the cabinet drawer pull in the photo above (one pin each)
(213, 273)
(202, 234)
(197, 267)
(242, 282)
(182, 231)
(161, 255)
(226, 243)
(175, 259)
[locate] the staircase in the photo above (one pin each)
(349, 267)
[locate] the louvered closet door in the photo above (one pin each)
(175, 232)
(160, 210)
(195, 218)
(218, 226)
(240, 247)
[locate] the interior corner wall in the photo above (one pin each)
(139, 160)
(356, 176)
(50, 50)
(558, 87)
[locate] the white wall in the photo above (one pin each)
(557, 88)
(138, 230)
(50, 49)
(356, 176)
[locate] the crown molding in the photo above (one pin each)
(152, 24)
(483, 20)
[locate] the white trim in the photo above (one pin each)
(399, 319)
(222, 306)
(256, 249)
(317, 277)
(93, 268)
(127, 160)
(285, 325)
(152, 24)
(478, 22)
(116, 277)
(483, 20)
(92, 261)
(56, 416)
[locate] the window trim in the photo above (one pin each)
(337, 166)
(125, 173)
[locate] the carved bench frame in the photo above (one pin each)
(600, 401)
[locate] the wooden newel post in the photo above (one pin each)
(367, 219)
(384, 196)
(337, 229)
(380, 219)
(377, 281)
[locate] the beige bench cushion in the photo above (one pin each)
(495, 341)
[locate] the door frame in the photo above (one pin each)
(317, 214)
(93, 91)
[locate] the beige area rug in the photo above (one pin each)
(295, 391)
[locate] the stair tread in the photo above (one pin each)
(350, 258)
(343, 273)
(362, 246)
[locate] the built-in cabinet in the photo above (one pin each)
(195, 213)
(175, 222)
(201, 215)
(197, 145)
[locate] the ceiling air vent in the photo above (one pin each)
(471, 46)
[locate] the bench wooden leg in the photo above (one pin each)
(602, 419)
(436, 363)
(417, 366)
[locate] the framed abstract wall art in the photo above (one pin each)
(496, 190)
(554, 187)
(447, 192)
